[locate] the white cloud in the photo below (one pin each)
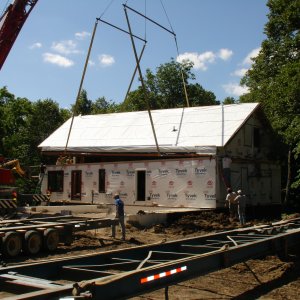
(252, 54)
(106, 60)
(35, 46)
(235, 89)
(82, 35)
(247, 62)
(91, 62)
(240, 72)
(225, 54)
(207, 56)
(200, 61)
(65, 47)
(57, 59)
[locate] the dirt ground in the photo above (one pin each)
(270, 277)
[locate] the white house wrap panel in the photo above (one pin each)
(173, 183)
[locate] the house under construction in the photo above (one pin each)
(200, 152)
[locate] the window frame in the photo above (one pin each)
(56, 181)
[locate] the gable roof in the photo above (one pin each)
(195, 129)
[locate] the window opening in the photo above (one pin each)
(56, 181)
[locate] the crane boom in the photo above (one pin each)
(11, 23)
(15, 166)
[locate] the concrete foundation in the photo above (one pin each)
(148, 219)
(143, 215)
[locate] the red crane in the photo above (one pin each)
(11, 23)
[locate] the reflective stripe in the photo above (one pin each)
(7, 204)
(163, 274)
(40, 197)
(4, 204)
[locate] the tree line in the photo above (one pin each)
(273, 81)
(25, 124)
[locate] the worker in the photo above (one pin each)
(120, 214)
(14, 195)
(48, 196)
(240, 201)
(58, 161)
(231, 204)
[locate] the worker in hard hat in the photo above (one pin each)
(14, 195)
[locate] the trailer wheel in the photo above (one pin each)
(32, 242)
(11, 244)
(67, 237)
(51, 239)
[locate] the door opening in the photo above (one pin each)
(141, 185)
(76, 185)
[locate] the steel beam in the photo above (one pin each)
(125, 273)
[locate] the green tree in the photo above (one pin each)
(165, 89)
(47, 117)
(229, 100)
(198, 96)
(83, 105)
(25, 124)
(15, 120)
(136, 101)
(5, 97)
(102, 106)
(274, 79)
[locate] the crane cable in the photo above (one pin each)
(84, 71)
(139, 69)
(81, 83)
(142, 81)
(106, 8)
(140, 57)
(182, 76)
(177, 49)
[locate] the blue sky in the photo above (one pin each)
(48, 56)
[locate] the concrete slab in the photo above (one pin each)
(144, 215)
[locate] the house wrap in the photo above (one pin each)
(202, 151)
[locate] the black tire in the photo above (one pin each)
(51, 239)
(32, 242)
(67, 236)
(68, 239)
(11, 244)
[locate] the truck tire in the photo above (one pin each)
(67, 236)
(32, 242)
(11, 244)
(51, 239)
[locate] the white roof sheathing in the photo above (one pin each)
(194, 129)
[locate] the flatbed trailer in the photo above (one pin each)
(130, 272)
(33, 235)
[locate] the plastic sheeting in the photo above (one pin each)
(195, 129)
(172, 183)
